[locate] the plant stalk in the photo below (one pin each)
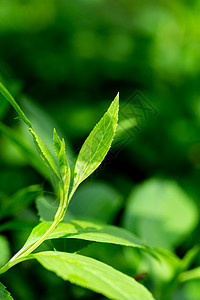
(21, 255)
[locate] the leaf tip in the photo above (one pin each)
(117, 97)
(54, 132)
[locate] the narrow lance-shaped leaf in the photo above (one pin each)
(96, 145)
(4, 294)
(42, 149)
(56, 142)
(44, 153)
(89, 231)
(12, 101)
(64, 168)
(92, 274)
(63, 165)
(193, 274)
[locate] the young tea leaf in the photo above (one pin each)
(96, 145)
(64, 168)
(90, 232)
(4, 294)
(92, 274)
(56, 142)
(62, 161)
(45, 154)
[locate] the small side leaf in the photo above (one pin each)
(92, 274)
(44, 153)
(4, 294)
(56, 142)
(62, 161)
(64, 168)
(96, 146)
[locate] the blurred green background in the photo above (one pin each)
(64, 61)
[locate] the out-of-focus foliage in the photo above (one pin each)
(64, 61)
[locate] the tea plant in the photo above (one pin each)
(76, 268)
(168, 271)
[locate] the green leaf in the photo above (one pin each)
(12, 101)
(96, 145)
(64, 168)
(189, 257)
(4, 294)
(193, 274)
(161, 213)
(56, 142)
(63, 164)
(88, 231)
(94, 275)
(190, 290)
(45, 154)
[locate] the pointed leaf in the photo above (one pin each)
(64, 168)
(4, 294)
(193, 274)
(63, 164)
(56, 142)
(12, 101)
(96, 145)
(88, 231)
(44, 153)
(94, 275)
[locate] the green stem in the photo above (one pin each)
(21, 255)
(11, 264)
(41, 240)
